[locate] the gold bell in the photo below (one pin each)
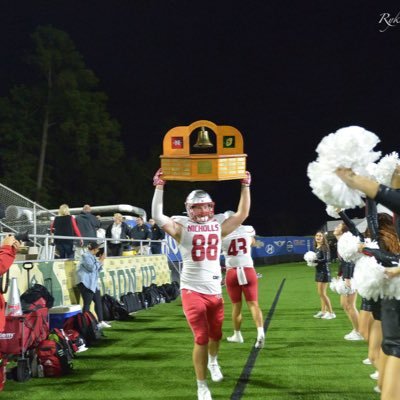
(203, 141)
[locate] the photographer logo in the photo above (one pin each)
(387, 21)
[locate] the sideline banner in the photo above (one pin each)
(119, 276)
(281, 245)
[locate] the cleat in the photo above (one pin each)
(235, 338)
(377, 390)
(260, 342)
(319, 314)
(353, 335)
(367, 361)
(375, 375)
(215, 371)
(204, 394)
(329, 316)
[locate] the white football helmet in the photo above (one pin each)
(195, 198)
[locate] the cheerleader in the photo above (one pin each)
(389, 381)
(323, 275)
(348, 299)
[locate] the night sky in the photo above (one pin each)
(284, 73)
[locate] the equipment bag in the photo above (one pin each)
(24, 332)
(87, 326)
(33, 295)
(151, 295)
(61, 337)
(76, 340)
(113, 309)
(132, 302)
(53, 359)
(172, 290)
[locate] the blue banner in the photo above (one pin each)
(281, 245)
(265, 246)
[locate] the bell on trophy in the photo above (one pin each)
(203, 151)
(203, 140)
(14, 301)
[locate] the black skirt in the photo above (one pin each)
(391, 327)
(322, 276)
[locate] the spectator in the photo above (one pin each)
(101, 235)
(88, 225)
(156, 234)
(116, 231)
(140, 232)
(88, 281)
(64, 224)
(8, 250)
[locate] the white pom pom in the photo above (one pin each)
(348, 247)
(349, 147)
(332, 285)
(383, 170)
(343, 289)
(372, 244)
(369, 278)
(331, 211)
(392, 288)
(310, 257)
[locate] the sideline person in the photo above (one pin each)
(8, 250)
(88, 281)
(64, 224)
(199, 239)
(389, 368)
(241, 279)
(323, 276)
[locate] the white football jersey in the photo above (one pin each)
(200, 248)
(236, 247)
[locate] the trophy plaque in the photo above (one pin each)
(203, 151)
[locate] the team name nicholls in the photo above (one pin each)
(203, 228)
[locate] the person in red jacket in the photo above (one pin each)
(8, 249)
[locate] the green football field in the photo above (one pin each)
(149, 356)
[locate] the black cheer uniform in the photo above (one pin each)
(322, 270)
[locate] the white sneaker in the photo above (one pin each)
(329, 316)
(377, 390)
(235, 338)
(204, 393)
(103, 324)
(215, 371)
(319, 314)
(353, 335)
(260, 342)
(375, 375)
(367, 361)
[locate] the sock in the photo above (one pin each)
(236, 333)
(260, 332)
(201, 384)
(212, 359)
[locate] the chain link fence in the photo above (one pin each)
(18, 214)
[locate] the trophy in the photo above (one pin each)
(203, 151)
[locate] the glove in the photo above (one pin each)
(157, 178)
(246, 181)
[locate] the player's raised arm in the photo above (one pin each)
(230, 224)
(166, 223)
